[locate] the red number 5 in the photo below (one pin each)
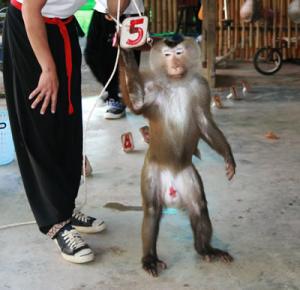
(136, 30)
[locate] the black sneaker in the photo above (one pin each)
(73, 248)
(116, 110)
(86, 224)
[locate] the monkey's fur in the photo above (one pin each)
(175, 98)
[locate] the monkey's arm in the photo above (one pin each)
(214, 137)
(131, 83)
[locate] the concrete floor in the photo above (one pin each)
(256, 216)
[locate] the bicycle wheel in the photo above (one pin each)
(267, 60)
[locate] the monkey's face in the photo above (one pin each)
(174, 60)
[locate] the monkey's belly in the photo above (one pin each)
(179, 189)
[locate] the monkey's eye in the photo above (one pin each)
(167, 53)
(179, 51)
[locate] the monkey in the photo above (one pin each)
(175, 98)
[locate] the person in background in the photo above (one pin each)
(42, 79)
(100, 56)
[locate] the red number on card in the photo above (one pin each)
(136, 30)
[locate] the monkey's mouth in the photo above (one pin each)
(176, 72)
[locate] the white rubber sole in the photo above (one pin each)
(83, 256)
(90, 230)
(110, 116)
(79, 259)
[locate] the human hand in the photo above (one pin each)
(46, 91)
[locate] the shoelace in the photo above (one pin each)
(80, 216)
(73, 239)
(115, 104)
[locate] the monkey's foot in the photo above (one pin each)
(152, 264)
(216, 254)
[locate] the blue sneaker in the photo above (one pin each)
(116, 109)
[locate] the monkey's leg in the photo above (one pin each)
(202, 229)
(150, 229)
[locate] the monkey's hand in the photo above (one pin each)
(230, 169)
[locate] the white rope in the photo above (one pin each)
(137, 8)
(17, 225)
(93, 109)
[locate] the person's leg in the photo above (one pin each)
(48, 159)
(93, 52)
(48, 147)
(100, 56)
(116, 107)
(99, 53)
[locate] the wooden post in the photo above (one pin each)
(159, 16)
(250, 38)
(289, 33)
(164, 16)
(146, 4)
(174, 15)
(153, 15)
(170, 16)
(296, 35)
(280, 18)
(220, 23)
(236, 23)
(257, 39)
(274, 24)
(204, 36)
(210, 27)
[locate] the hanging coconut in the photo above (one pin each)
(294, 11)
(251, 10)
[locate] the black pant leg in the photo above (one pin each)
(99, 53)
(48, 147)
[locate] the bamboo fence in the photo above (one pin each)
(162, 15)
(242, 38)
(246, 38)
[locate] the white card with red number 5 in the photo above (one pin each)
(134, 31)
